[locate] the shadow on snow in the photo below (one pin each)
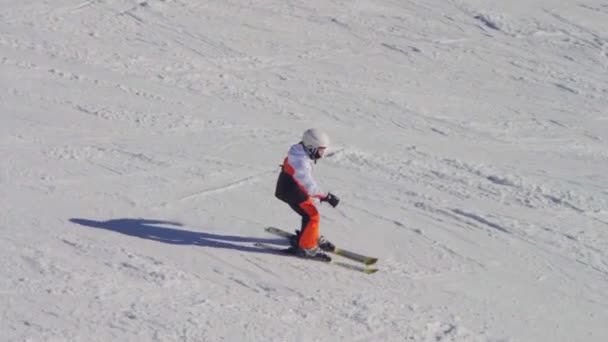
(165, 231)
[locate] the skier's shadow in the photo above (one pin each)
(166, 232)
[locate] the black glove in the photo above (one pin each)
(332, 199)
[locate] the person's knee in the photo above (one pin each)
(315, 218)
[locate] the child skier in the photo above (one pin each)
(297, 188)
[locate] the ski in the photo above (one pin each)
(284, 251)
(338, 251)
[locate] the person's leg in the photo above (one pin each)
(302, 213)
(310, 225)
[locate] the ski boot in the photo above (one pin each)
(311, 253)
(325, 245)
(295, 239)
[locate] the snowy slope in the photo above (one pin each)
(140, 142)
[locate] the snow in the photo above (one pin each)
(140, 144)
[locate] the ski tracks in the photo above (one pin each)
(449, 190)
(248, 180)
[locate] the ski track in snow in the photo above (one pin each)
(141, 143)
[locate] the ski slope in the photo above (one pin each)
(140, 144)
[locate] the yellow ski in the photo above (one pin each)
(367, 260)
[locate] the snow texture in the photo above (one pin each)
(140, 144)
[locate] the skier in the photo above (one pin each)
(297, 188)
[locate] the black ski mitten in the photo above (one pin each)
(332, 199)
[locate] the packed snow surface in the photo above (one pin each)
(140, 144)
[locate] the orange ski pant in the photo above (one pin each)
(310, 223)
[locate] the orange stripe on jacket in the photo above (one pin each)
(291, 171)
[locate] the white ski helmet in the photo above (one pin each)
(313, 139)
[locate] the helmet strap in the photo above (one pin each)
(312, 153)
